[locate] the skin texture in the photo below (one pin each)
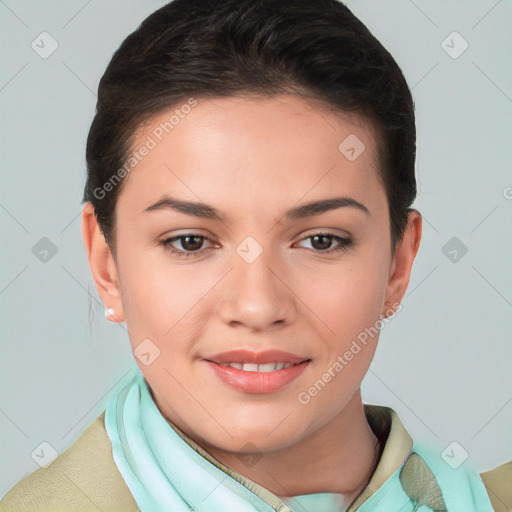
(254, 158)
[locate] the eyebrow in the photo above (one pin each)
(299, 212)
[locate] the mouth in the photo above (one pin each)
(257, 372)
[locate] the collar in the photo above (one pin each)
(397, 442)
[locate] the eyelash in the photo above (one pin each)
(344, 244)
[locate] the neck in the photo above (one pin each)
(340, 457)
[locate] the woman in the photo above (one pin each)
(247, 214)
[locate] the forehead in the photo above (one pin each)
(263, 149)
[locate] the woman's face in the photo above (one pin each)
(257, 278)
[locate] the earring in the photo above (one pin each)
(109, 312)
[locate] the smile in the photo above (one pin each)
(257, 378)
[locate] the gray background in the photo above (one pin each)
(443, 363)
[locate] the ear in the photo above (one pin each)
(401, 266)
(102, 264)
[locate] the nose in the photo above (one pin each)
(256, 294)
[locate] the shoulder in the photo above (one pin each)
(498, 483)
(83, 477)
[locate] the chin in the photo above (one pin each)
(266, 437)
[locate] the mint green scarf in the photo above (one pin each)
(165, 473)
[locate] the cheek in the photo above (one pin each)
(162, 299)
(349, 304)
(347, 297)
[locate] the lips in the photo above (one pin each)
(257, 372)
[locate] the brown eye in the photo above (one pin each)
(321, 242)
(191, 245)
(191, 242)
